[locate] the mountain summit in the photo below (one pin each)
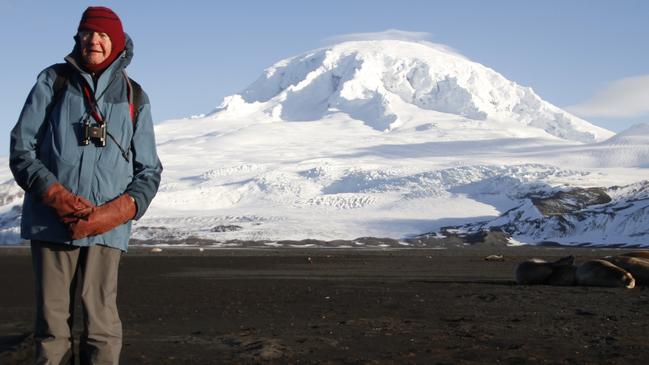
(390, 84)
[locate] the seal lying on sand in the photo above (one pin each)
(636, 266)
(638, 254)
(537, 271)
(603, 273)
(626, 270)
(563, 275)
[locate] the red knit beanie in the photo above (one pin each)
(104, 20)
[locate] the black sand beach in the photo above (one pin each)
(343, 306)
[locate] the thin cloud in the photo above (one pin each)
(393, 34)
(625, 98)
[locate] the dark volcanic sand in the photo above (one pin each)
(413, 306)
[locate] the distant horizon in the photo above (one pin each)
(587, 57)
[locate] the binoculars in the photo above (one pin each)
(96, 134)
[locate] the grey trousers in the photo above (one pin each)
(57, 269)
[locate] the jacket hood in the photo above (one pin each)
(128, 51)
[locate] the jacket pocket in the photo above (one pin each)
(111, 183)
(114, 171)
(117, 151)
(65, 133)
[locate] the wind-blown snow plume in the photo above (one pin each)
(628, 97)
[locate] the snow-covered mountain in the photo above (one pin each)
(388, 84)
(387, 139)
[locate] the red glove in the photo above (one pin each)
(68, 207)
(104, 217)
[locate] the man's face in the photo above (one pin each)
(95, 46)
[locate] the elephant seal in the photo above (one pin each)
(636, 266)
(603, 273)
(638, 254)
(537, 271)
(563, 275)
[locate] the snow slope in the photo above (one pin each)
(379, 138)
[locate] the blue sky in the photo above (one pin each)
(588, 55)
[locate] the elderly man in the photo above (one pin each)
(84, 151)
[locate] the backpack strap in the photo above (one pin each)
(62, 71)
(62, 74)
(135, 101)
(135, 97)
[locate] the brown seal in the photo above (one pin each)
(603, 273)
(563, 275)
(638, 254)
(636, 266)
(538, 271)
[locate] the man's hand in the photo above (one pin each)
(68, 207)
(104, 217)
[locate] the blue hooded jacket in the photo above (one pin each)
(45, 148)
